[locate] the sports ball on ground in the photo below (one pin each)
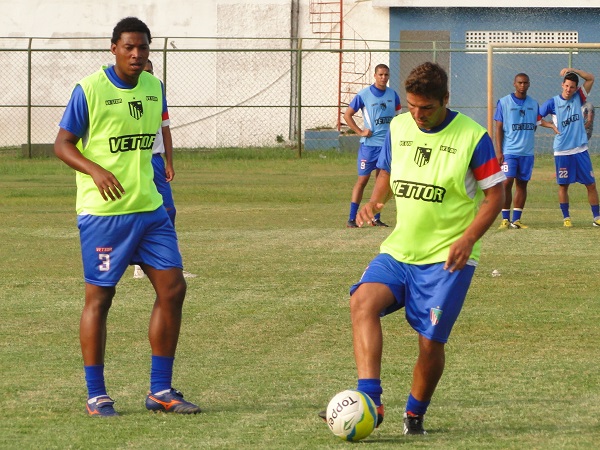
(351, 415)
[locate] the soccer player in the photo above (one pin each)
(106, 135)
(571, 157)
(441, 168)
(163, 174)
(516, 121)
(378, 104)
(588, 118)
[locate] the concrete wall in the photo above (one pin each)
(187, 18)
(92, 22)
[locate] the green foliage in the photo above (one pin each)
(266, 338)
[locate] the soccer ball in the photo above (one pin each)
(351, 415)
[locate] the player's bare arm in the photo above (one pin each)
(499, 140)
(168, 144)
(381, 194)
(587, 76)
(547, 124)
(349, 118)
(491, 206)
(65, 149)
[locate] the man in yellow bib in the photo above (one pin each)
(441, 168)
(106, 134)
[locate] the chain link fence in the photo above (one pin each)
(225, 93)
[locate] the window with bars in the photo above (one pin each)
(479, 39)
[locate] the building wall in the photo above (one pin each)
(205, 18)
(173, 24)
(273, 19)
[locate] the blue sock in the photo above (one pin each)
(161, 373)
(94, 379)
(371, 387)
(595, 210)
(517, 214)
(353, 210)
(506, 214)
(416, 407)
(564, 207)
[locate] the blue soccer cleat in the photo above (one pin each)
(101, 406)
(170, 400)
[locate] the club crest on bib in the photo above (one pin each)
(136, 109)
(422, 156)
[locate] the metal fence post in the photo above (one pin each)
(299, 80)
(29, 97)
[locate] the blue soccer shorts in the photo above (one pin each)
(111, 243)
(367, 159)
(163, 186)
(575, 168)
(519, 167)
(431, 296)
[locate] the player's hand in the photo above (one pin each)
(107, 184)
(566, 70)
(366, 133)
(459, 254)
(366, 215)
(169, 173)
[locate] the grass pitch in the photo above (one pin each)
(266, 339)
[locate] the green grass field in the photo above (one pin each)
(266, 339)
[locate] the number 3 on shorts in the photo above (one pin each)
(105, 265)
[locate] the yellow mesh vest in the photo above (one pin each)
(122, 128)
(428, 173)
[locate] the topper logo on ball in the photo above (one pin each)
(339, 408)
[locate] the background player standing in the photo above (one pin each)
(571, 157)
(106, 135)
(379, 104)
(163, 172)
(516, 121)
(588, 118)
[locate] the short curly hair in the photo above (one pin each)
(428, 80)
(130, 25)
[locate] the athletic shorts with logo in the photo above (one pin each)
(575, 168)
(517, 166)
(109, 244)
(431, 296)
(367, 159)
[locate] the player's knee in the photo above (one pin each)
(179, 290)
(362, 304)
(99, 298)
(430, 349)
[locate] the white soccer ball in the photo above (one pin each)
(351, 415)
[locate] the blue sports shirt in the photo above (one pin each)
(378, 109)
(519, 117)
(566, 115)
